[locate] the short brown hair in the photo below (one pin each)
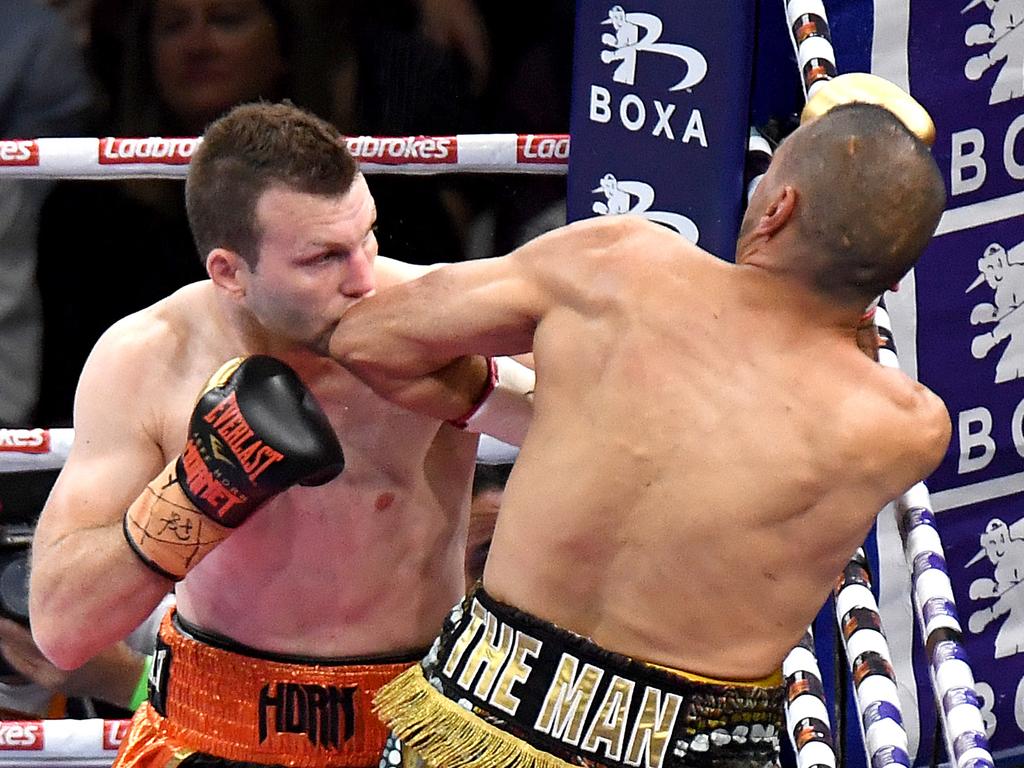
(245, 152)
(870, 197)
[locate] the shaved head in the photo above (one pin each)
(869, 198)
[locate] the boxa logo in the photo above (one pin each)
(627, 43)
(1004, 549)
(637, 197)
(20, 735)
(1005, 33)
(1003, 271)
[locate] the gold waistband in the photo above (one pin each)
(765, 682)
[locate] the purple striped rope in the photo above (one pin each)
(950, 672)
(867, 652)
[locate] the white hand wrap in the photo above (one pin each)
(506, 407)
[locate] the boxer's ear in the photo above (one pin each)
(227, 271)
(777, 212)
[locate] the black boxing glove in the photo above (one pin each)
(255, 431)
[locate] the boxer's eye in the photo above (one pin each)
(324, 257)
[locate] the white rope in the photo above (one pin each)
(81, 743)
(870, 663)
(162, 157)
(23, 450)
(807, 719)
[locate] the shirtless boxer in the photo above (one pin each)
(709, 446)
(291, 615)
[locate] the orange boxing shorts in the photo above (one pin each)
(216, 703)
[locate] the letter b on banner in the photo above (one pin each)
(659, 117)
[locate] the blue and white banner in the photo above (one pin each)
(965, 63)
(959, 332)
(662, 94)
(659, 114)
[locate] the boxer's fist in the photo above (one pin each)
(255, 431)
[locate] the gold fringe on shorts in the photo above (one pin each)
(417, 712)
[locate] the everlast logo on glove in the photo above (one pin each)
(255, 432)
(325, 713)
(229, 423)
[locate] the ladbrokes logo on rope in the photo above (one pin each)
(637, 36)
(153, 150)
(25, 440)
(14, 153)
(404, 149)
(637, 197)
(114, 732)
(17, 735)
(542, 149)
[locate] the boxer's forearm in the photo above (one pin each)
(420, 344)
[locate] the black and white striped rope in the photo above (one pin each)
(874, 691)
(952, 679)
(874, 680)
(812, 42)
(807, 719)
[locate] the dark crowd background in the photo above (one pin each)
(95, 251)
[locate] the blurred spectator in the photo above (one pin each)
(180, 64)
(44, 91)
(529, 91)
(488, 488)
(32, 687)
(402, 68)
(76, 15)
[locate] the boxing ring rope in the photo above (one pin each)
(80, 743)
(951, 677)
(164, 157)
(807, 720)
(870, 663)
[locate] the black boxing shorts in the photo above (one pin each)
(503, 688)
(216, 704)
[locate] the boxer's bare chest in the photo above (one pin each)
(339, 554)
